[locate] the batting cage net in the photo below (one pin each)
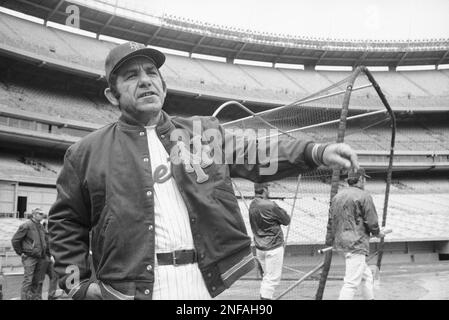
(353, 110)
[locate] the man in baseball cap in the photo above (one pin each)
(354, 221)
(355, 174)
(126, 51)
(136, 85)
(260, 188)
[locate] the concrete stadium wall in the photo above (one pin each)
(7, 197)
(394, 252)
(37, 197)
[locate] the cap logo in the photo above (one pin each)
(134, 46)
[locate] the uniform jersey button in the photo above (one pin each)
(145, 159)
(150, 227)
(149, 193)
(141, 133)
(149, 267)
(162, 136)
(147, 291)
(213, 288)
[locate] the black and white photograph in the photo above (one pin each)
(225, 155)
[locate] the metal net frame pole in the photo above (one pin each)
(241, 195)
(302, 279)
(334, 187)
(293, 209)
(390, 162)
(312, 98)
(253, 115)
(289, 225)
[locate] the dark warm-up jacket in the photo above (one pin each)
(354, 220)
(106, 187)
(266, 217)
(30, 239)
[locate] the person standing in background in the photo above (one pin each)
(29, 243)
(354, 220)
(266, 218)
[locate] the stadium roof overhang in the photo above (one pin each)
(56, 64)
(193, 37)
(19, 136)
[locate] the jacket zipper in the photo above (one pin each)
(40, 239)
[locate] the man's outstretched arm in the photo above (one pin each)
(281, 157)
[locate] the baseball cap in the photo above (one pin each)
(123, 52)
(260, 187)
(357, 173)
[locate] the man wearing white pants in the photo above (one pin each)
(354, 220)
(271, 262)
(358, 273)
(266, 218)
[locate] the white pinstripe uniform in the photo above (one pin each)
(173, 232)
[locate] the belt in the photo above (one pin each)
(177, 257)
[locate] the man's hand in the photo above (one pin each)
(381, 234)
(340, 156)
(93, 292)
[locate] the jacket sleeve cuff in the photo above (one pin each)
(314, 153)
(79, 292)
(375, 230)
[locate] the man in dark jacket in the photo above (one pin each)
(48, 269)
(29, 243)
(266, 218)
(354, 221)
(156, 196)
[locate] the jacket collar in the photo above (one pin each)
(164, 125)
(357, 187)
